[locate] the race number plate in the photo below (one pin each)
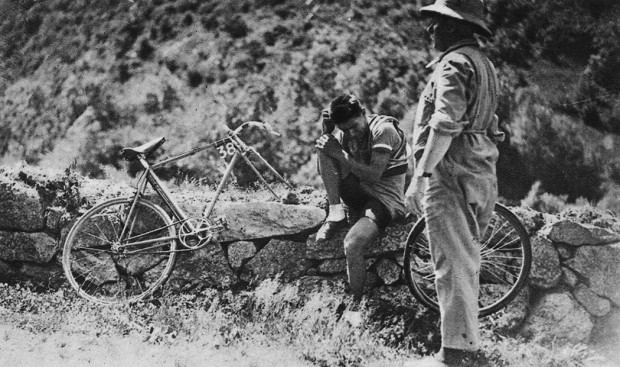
(225, 148)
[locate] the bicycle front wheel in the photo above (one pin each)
(506, 258)
(105, 268)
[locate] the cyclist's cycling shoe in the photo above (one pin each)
(329, 229)
(448, 357)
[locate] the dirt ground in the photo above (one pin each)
(20, 348)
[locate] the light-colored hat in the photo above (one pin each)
(471, 11)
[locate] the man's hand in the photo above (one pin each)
(413, 195)
(329, 145)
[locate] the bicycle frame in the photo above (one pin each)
(148, 176)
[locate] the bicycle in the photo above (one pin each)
(122, 250)
(506, 258)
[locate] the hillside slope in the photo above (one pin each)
(79, 79)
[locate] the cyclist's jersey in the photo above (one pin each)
(381, 138)
(384, 135)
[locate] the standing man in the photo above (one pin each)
(362, 164)
(455, 135)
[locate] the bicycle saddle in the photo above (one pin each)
(131, 154)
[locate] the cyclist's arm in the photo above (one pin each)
(368, 172)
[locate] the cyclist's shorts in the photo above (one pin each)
(358, 200)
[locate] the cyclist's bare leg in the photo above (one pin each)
(363, 232)
(330, 173)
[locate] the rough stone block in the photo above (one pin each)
(277, 257)
(515, 312)
(333, 266)
(247, 221)
(545, 272)
(388, 271)
(558, 318)
(22, 208)
(576, 234)
(207, 267)
(330, 249)
(569, 277)
(594, 304)
(599, 265)
(33, 247)
(240, 251)
(392, 240)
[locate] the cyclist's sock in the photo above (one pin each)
(336, 213)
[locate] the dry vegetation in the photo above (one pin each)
(272, 325)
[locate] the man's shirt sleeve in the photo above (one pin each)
(452, 95)
(385, 138)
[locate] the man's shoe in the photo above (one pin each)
(329, 229)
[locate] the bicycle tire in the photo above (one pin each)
(105, 275)
(505, 246)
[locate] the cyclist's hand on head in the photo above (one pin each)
(329, 145)
(326, 122)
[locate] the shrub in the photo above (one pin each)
(172, 65)
(123, 72)
(235, 26)
(611, 200)
(554, 150)
(544, 202)
(270, 38)
(194, 78)
(209, 22)
(187, 5)
(152, 103)
(145, 50)
(188, 19)
(166, 28)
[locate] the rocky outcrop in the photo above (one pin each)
(204, 268)
(278, 257)
(23, 246)
(546, 272)
(21, 207)
(577, 234)
(247, 221)
(598, 267)
(558, 317)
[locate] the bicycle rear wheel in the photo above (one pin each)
(506, 258)
(101, 269)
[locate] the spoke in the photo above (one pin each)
(509, 243)
(500, 265)
(149, 232)
(502, 255)
(498, 276)
(103, 233)
(114, 228)
(143, 250)
(94, 249)
(97, 237)
(493, 233)
(500, 241)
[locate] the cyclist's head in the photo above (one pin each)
(345, 107)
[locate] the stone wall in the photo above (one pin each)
(572, 294)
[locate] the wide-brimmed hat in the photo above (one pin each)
(471, 11)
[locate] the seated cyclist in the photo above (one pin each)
(362, 164)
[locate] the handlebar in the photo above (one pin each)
(263, 125)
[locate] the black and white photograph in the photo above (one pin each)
(310, 183)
